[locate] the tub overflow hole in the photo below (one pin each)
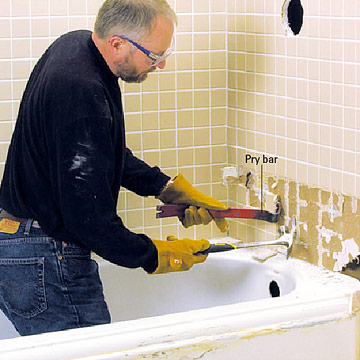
(274, 289)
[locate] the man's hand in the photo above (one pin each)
(178, 255)
(180, 191)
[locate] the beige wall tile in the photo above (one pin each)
(184, 99)
(20, 28)
(184, 80)
(39, 8)
(5, 90)
(184, 23)
(152, 157)
(183, 6)
(185, 119)
(202, 155)
(133, 122)
(201, 80)
(201, 6)
(150, 121)
(167, 120)
(218, 78)
(77, 7)
(168, 158)
(40, 27)
(201, 98)
(167, 101)
(5, 111)
(5, 131)
(3, 151)
(201, 42)
(186, 157)
(167, 81)
(184, 61)
(58, 26)
(201, 61)
(167, 139)
(5, 8)
(21, 69)
(202, 136)
(219, 154)
(20, 8)
(150, 101)
(93, 6)
(150, 140)
(38, 47)
(133, 141)
(58, 7)
(185, 137)
(201, 22)
(131, 103)
(5, 28)
(201, 117)
(5, 73)
(76, 23)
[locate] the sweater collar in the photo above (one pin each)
(100, 59)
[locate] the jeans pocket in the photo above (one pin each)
(22, 288)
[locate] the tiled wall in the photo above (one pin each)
(176, 119)
(235, 86)
(297, 98)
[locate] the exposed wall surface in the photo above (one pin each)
(327, 223)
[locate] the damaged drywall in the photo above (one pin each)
(328, 232)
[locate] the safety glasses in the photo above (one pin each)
(156, 59)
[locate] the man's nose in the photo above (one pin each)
(161, 65)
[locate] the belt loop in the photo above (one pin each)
(28, 226)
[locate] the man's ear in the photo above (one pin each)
(117, 44)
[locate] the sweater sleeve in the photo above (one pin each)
(141, 178)
(82, 171)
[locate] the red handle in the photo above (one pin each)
(168, 210)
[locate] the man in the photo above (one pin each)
(65, 165)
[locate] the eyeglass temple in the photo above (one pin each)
(146, 51)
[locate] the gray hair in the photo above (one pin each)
(133, 18)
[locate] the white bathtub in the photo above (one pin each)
(221, 280)
(222, 309)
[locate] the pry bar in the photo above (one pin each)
(168, 210)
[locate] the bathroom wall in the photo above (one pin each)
(293, 104)
(297, 97)
(236, 86)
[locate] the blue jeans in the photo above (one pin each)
(48, 285)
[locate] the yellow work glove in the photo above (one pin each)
(178, 255)
(180, 191)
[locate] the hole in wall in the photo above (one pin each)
(274, 289)
(292, 14)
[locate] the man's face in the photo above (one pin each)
(135, 66)
(128, 71)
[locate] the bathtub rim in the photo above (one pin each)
(329, 297)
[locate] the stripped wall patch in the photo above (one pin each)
(328, 222)
(350, 250)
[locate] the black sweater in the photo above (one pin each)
(68, 158)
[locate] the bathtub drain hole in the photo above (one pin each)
(274, 289)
